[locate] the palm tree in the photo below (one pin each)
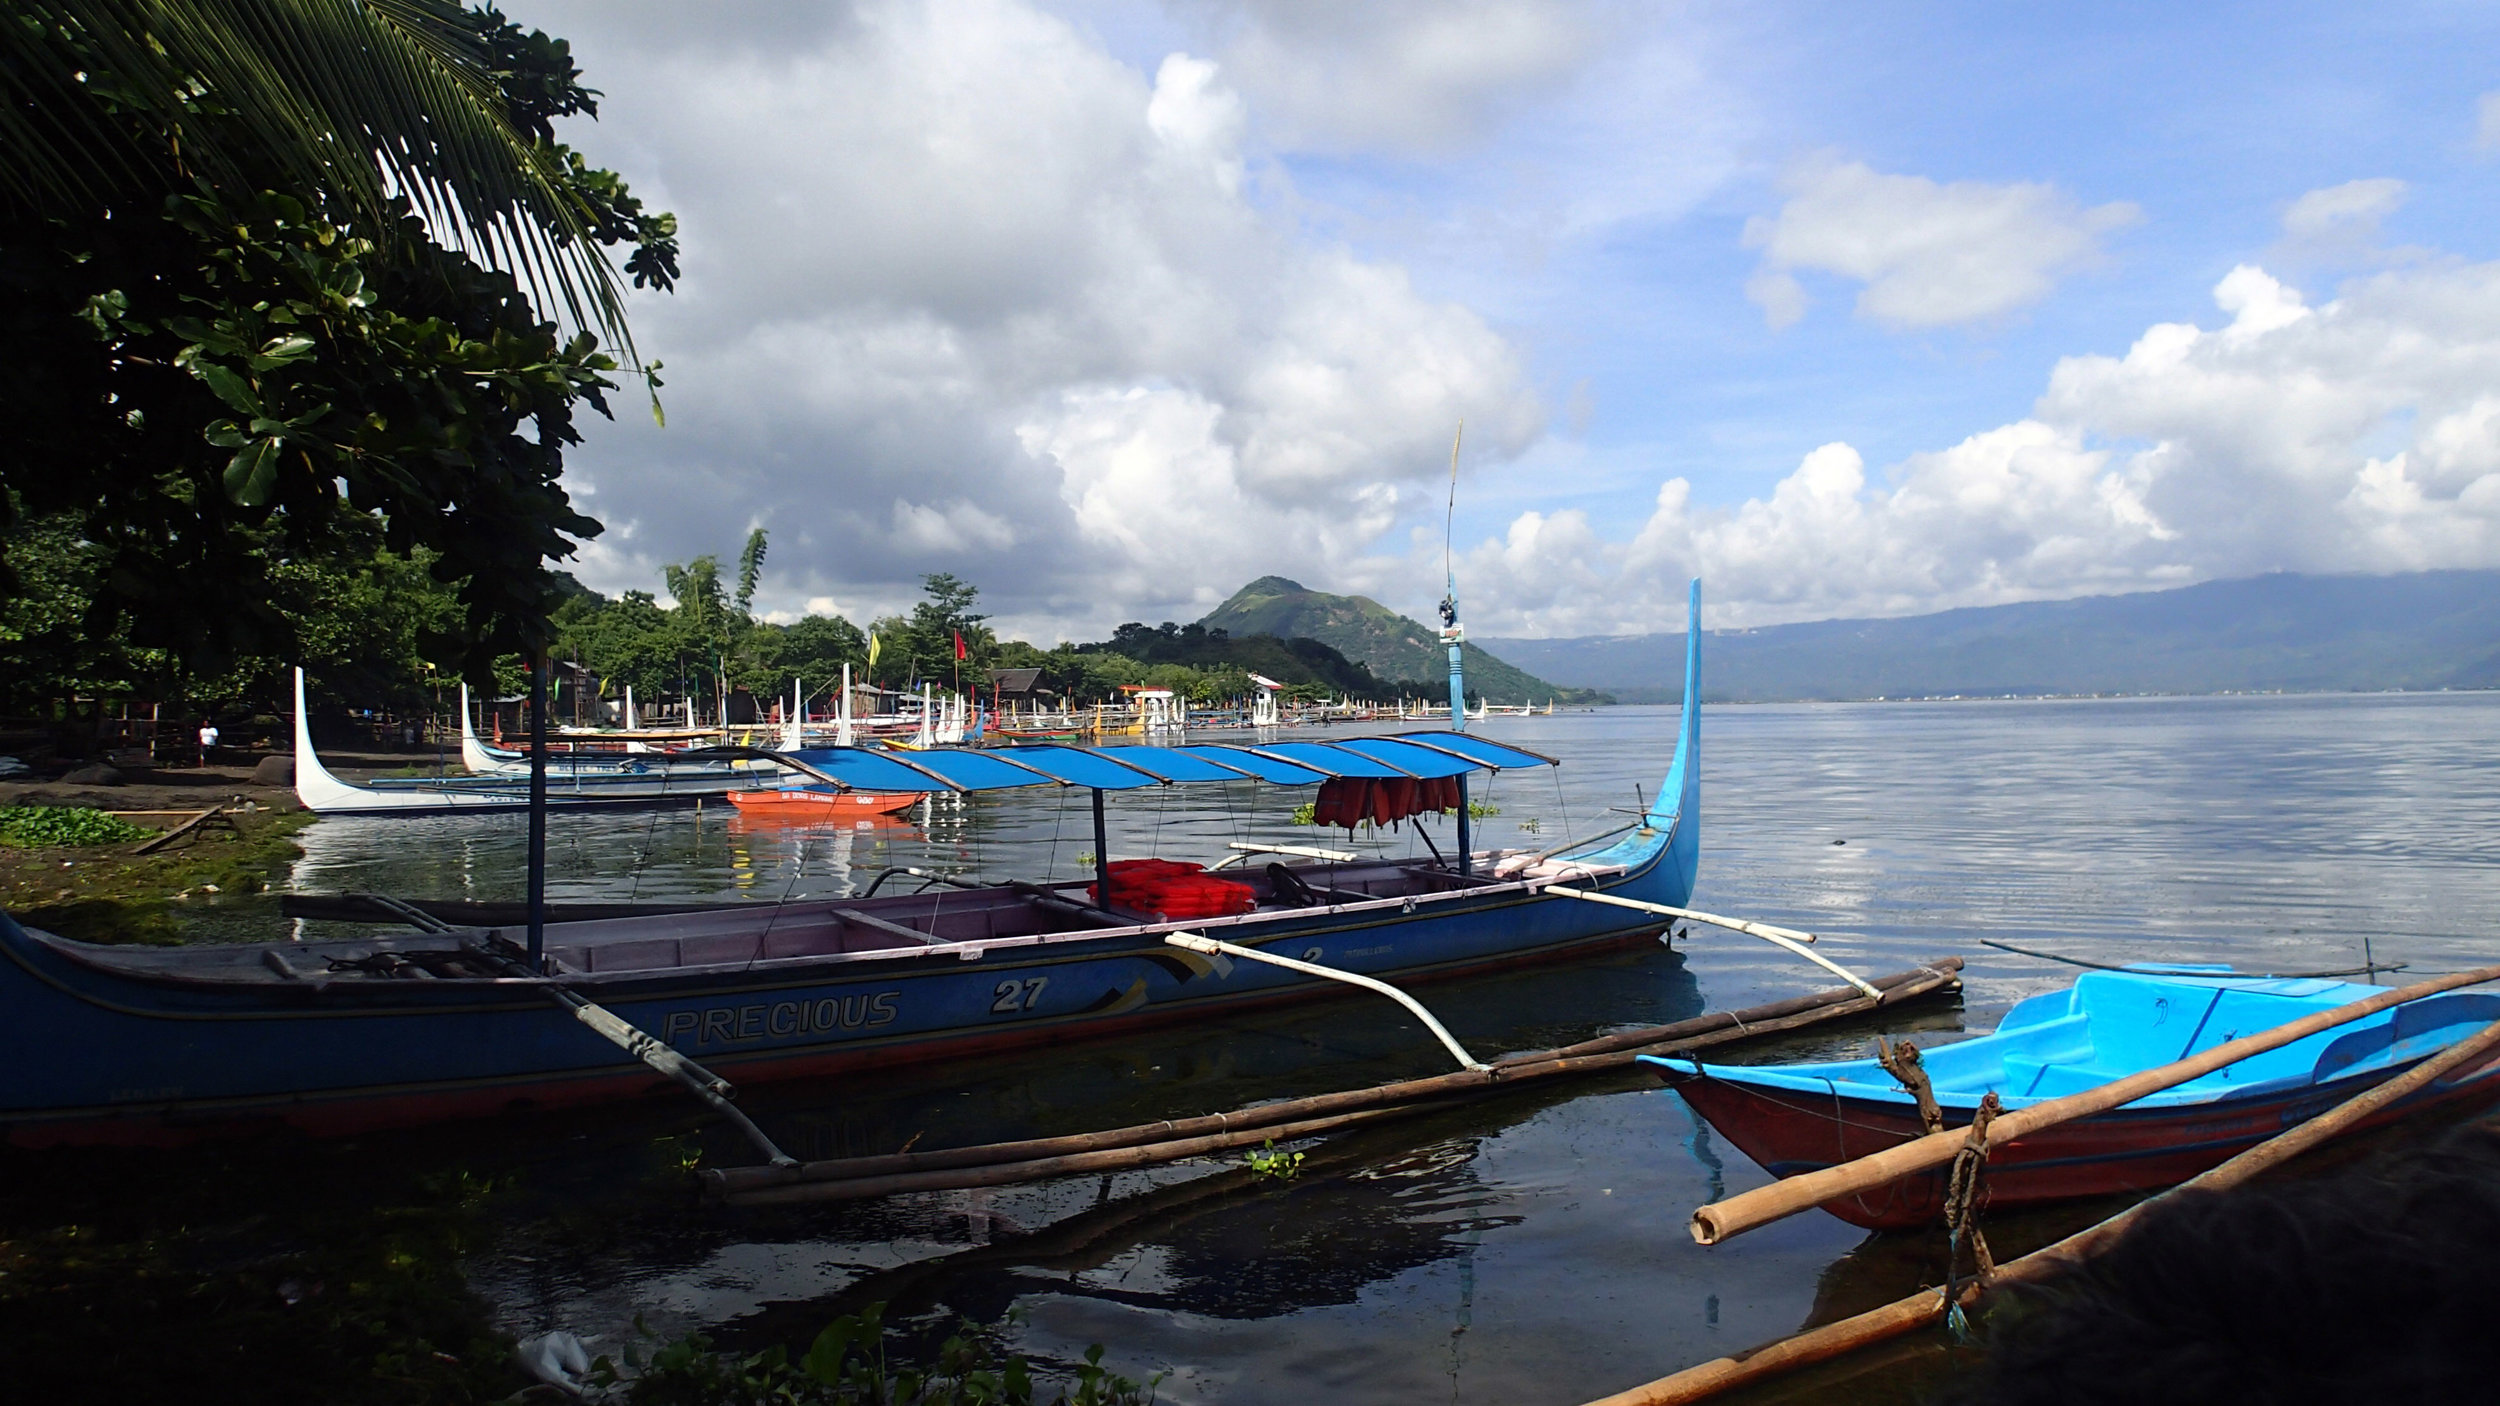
(359, 100)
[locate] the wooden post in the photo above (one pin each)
(1738, 1214)
(1102, 855)
(538, 815)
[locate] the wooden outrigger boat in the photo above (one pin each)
(636, 780)
(585, 753)
(1799, 1118)
(130, 1044)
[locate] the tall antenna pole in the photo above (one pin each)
(1452, 633)
(1455, 636)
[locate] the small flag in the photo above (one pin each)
(873, 645)
(960, 651)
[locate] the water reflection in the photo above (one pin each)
(1530, 1249)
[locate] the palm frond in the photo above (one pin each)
(358, 100)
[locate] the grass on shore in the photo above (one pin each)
(107, 893)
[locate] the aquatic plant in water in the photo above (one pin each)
(34, 827)
(1266, 1161)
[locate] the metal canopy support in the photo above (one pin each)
(538, 815)
(1466, 833)
(1102, 855)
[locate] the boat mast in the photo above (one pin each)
(1454, 635)
(538, 813)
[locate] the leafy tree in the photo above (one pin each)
(944, 613)
(750, 571)
(258, 299)
(812, 649)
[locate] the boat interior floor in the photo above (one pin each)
(941, 918)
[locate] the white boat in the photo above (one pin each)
(652, 785)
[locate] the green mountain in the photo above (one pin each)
(2282, 632)
(1291, 661)
(1371, 634)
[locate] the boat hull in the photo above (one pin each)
(170, 1060)
(2128, 1150)
(800, 805)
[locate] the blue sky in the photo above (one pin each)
(1111, 304)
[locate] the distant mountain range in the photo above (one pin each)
(1371, 634)
(2286, 632)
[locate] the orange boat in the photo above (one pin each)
(813, 803)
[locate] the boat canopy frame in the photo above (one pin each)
(1403, 756)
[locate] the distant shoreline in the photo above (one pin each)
(1674, 701)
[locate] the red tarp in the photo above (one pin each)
(1353, 800)
(1172, 889)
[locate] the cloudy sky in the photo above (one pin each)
(1869, 309)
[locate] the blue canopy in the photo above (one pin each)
(1414, 754)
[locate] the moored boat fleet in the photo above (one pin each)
(446, 1018)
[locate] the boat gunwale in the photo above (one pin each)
(1820, 1080)
(99, 959)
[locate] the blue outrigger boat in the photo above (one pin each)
(128, 1044)
(1799, 1118)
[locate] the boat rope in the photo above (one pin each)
(2366, 970)
(1902, 1062)
(1965, 1194)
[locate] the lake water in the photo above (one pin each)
(1529, 1250)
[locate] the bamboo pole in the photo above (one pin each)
(1606, 1052)
(1734, 1216)
(1927, 1306)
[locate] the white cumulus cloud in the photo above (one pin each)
(1928, 254)
(966, 293)
(2362, 434)
(1409, 76)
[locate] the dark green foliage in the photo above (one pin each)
(1308, 662)
(848, 1365)
(118, 103)
(359, 619)
(212, 381)
(707, 641)
(33, 827)
(921, 645)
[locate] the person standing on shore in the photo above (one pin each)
(208, 740)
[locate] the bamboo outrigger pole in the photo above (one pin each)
(996, 1164)
(1737, 1214)
(1928, 1306)
(714, 1091)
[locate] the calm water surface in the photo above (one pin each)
(1523, 1251)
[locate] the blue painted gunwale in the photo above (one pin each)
(121, 1045)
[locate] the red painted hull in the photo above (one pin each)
(812, 806)
(2130, 1150)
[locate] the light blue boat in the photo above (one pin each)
(1796, 1118)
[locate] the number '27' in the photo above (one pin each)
(1014, 996)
